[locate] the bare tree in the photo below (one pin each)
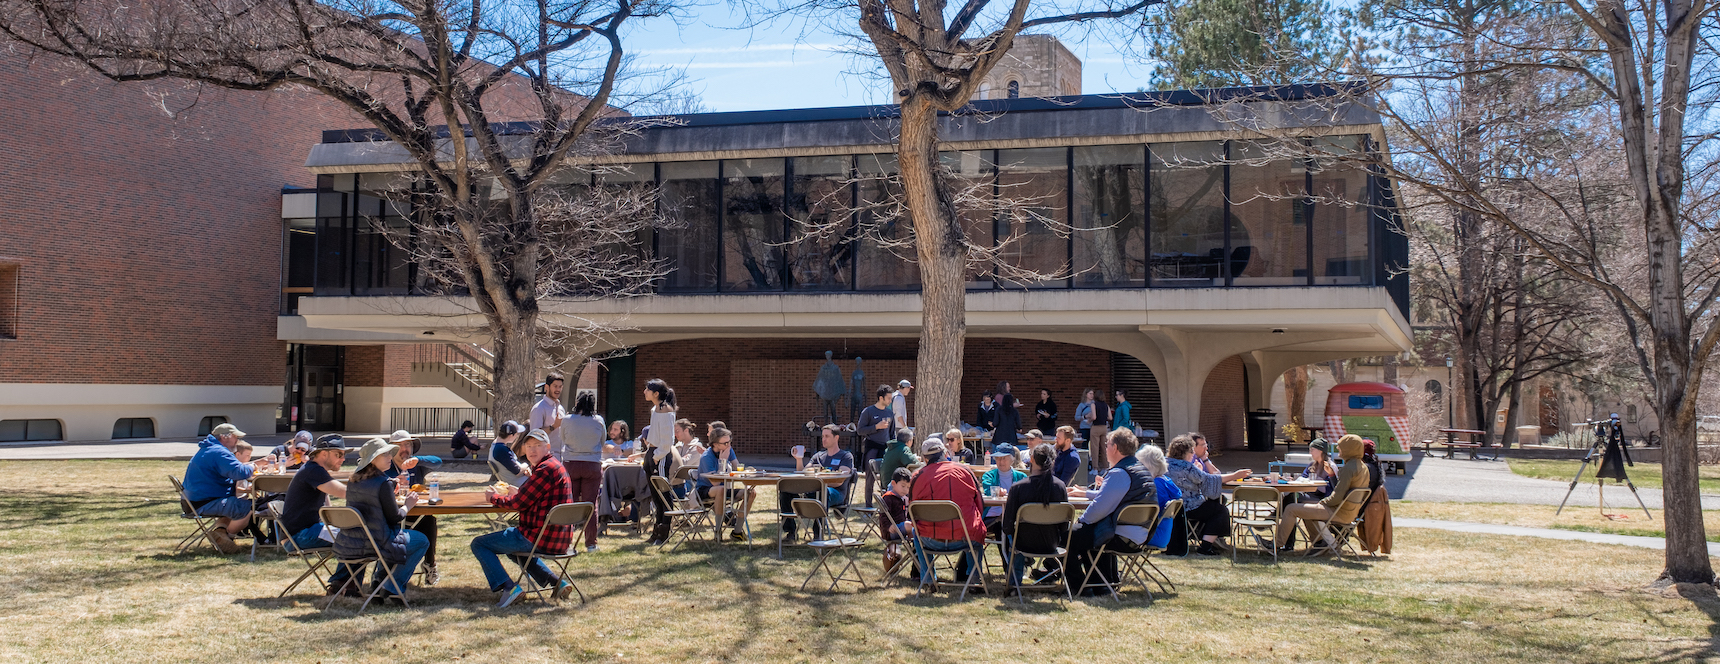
(413, 69)
(935, 60)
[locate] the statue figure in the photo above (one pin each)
(857, 396)
(829, 386)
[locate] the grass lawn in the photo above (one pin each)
(1585, 518)
(1643, 475)
(86, 577)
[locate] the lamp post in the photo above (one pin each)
(1450, 414)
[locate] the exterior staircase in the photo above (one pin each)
(466, 370)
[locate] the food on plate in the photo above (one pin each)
(418, 488)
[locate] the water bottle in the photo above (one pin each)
(435, 490)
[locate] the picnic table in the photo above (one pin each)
(1473, 446)
(1283, 486)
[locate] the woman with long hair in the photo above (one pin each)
(659, 454)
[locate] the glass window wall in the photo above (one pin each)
(1034, 230)
(886, 253)
(976, 176)
(820, 207)
(1110, 216)
(752, 224)
(1268, 236)
(1187, 183)
(1342, 216)
(687, 236)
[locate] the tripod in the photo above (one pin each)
(1609, 447)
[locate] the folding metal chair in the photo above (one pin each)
(1129, 563)
(204, 524)
(813, 510)
(868, 515)
(1172, 512)
(931, 512)
(344, 518)
(1043, 515)
(797, 486)
(264, 513)
(1254, 509)
(566, 514)
(316, 561)
(686, 521)
(1322, 539)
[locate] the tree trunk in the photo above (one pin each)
(1296, 394)
(516, 370)
(943, 260)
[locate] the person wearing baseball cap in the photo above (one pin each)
(209, 482)
(309, 492)
(996, 482)
(899, 403)
(943, 479)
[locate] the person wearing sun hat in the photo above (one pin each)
(1002, 476)
(371, 493)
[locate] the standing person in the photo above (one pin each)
(659, 453)
(1068, 458)
(583, 458)
(462, 443)
(209, 485)
(876, 426)
(504, 461)
(1084, 415)
(371, 494)
(1097, 534)
(1008, 417)
(547, 488)
(986, 418)
(1047, 412)
(897, 455)
(1124, 417)
(943, 479)
(1096, 437)
(548, 413)
(899, 403)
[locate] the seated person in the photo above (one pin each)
(294, 452)
(893, 517)
(620, 444)
(1320, 469)
(309, 492)
(1203, 453)
(502, 459)
(546, 487)
(995, 482)
(414, 471)
(719, 459)
(688, 445)
(1354, 475)
(1043, 487)
(1203, 495)
(210, 481)
(832, 459)
(956, 451)
(1153, 459)
(897, 454)
(242, 451)
(1097, 533)
(1068, 457)
(371, 493)
(462, 443)
(946, 479)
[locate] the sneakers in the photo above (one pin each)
(563, 590)
(591, 549)
(508, 596)
(1209, 549)
(737, 536)
(223, 541)
(431, 575)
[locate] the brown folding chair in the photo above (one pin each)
(316, 559)
(264, 513)
(566, 514)
(942, 511)
(815, 511)
(1254, 509)
(345, 518)
(1167, 519)
(685, 521)
(1042, 515)
(1129, 566)
(798, 486)
(1321, 537)
(204, 524)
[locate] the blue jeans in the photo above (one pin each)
(231, 507)
(416, 545)
(311, 538)
(942, 546)
(488, 549)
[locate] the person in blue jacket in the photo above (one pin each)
(209, 482)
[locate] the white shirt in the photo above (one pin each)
(899, 408)
(549, 411)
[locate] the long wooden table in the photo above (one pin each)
(1282, 487)
(752, 479)
(456, 502)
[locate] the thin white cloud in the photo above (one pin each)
(756, 64)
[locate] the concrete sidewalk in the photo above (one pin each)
(1544, 533)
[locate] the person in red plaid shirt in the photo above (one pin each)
(546, 487)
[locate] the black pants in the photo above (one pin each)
(660, 520)
(1211, 518)
(1085, 553)
(427, 525)
(785, 505)
(872, 451)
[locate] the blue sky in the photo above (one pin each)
(737, 69)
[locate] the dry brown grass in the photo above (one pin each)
(86, 578)
(1586, 518)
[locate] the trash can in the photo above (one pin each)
(1262, 430)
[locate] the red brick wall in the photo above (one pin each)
(150, 245)
(1223, 409)
(762, 388)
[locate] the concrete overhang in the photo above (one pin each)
(1325, 318)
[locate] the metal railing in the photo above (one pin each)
(438, 421)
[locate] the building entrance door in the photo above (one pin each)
(321, 380)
